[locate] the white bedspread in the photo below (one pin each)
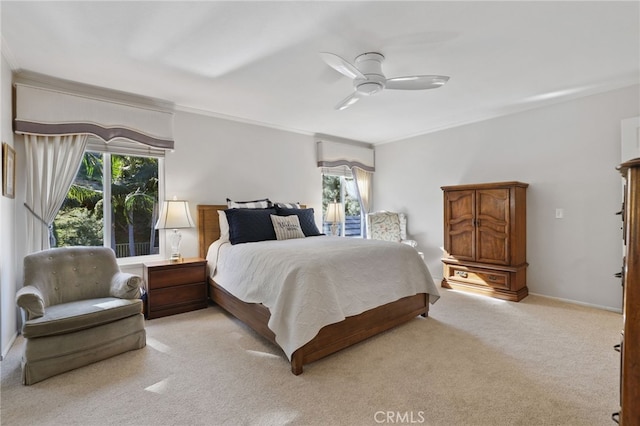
(308, 283)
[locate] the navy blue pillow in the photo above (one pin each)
(250, 225)
(306, 217)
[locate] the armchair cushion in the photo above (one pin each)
(79, 315)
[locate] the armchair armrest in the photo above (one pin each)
(126, 286)
(411, 243)
(31, 300)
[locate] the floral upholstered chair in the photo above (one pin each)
(388, 226)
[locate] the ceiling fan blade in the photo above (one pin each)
(416, 82)
(348, 101)
(341, 65)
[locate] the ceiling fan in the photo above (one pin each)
(368, 78)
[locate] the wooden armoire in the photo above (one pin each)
(629, 347)
(485, 239)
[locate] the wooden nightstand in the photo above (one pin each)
(175, 287)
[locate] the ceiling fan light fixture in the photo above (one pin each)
(369, 88)
(368, 78)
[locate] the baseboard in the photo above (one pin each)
(575, 302)
(4, 353)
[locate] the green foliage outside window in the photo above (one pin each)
(133, 205)
(77, 227)
(331, 188)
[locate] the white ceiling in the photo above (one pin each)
(258, 61)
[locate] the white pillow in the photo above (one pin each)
(287, 227)
(224, 225)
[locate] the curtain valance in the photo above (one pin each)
(47, 111)
(334, 154)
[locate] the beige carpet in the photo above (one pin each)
(474, 361)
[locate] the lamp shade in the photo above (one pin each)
(335, 213)
(175, 214)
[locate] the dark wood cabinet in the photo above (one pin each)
(175, 287)
(485, 239)
(629, 414)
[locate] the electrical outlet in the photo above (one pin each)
(559, 213)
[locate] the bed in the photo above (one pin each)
(330, 338)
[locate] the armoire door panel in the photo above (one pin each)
(492, 226)
(492, 247)
(461, 244)
(493, 204)
(459, 218)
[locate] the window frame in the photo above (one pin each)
(132, 149)
(106, 211)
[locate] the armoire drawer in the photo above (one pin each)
(487, 277)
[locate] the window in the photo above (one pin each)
(113, 202)
(338, 185)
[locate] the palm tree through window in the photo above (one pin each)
(112, 202)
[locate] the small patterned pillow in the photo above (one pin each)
(287, 227)
(263, 203)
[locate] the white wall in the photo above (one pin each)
(567, 152)
(8, 319)
(215, 159)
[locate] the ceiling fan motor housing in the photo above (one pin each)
(370, 65)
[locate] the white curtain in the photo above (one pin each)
(364, 183)
(52, 164)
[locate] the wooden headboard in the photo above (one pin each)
(208, 226)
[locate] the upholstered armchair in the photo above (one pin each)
(388, 226)
(79, 308)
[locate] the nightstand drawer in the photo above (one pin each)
(177, 295)
(169, 277)
(486, 277)
(175, 287)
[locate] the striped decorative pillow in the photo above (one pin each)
(287, 205)
(287, 227)
(263, 203)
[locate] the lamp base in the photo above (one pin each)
(175, 239)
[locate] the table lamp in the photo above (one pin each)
(335, 215)
(175, 215)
